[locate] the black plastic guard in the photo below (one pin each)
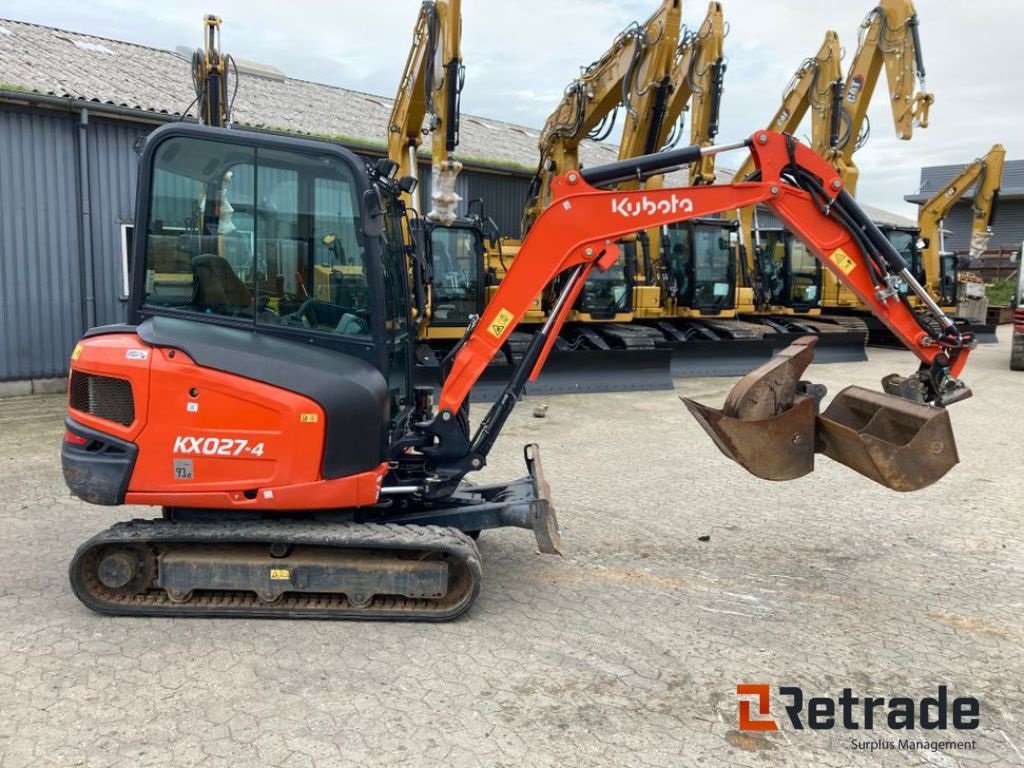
(99, 470)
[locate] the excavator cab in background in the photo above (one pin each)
(906, 241)
(699, 261)
(790, 276)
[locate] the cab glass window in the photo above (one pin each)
(455, 255)
(255, 236)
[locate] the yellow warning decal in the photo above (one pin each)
(841, 260)
(309, 418)
(280, 574)
(500, 323)
(76, 351)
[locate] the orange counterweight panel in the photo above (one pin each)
(218, 440)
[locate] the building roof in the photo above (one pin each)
(111, 72)
(158, 83)
(935, 177)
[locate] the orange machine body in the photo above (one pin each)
(209, 439)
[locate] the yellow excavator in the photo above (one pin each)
(780, 281)
(924, 248)
(445, 250)
(888, 36)
(634, 75)
(788, 285)
(685, 284)
(673, 314)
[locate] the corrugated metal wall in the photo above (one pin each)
(1007, 231)
(503, 196)
(113, 166)
(40, 278)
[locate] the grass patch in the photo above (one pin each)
(999, 292)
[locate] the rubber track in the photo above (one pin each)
(155, 602)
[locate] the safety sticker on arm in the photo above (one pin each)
(500, 323)
(841, 260)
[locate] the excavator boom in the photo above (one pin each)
(889, 36)
(877, 435)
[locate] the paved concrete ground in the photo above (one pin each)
(624, 652)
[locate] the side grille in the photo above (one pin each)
(102, 397)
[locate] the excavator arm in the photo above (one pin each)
(697, 77)
(888, 35)
(577, 232)
(427, 102)
(985, 174)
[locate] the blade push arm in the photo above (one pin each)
(579, 228)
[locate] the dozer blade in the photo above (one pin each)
(901, 444)
(765, 426)
(768, 426)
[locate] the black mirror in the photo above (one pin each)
(386, 167)
(371, 214)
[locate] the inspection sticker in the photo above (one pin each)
(841, 260)
(500, 323)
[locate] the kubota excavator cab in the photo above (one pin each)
(269, 310)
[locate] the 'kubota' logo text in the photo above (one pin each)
(624, 206)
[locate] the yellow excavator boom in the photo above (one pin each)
(986, 173)
(697, 78)
(626, 73)
(427, 103)
(888, 35)
(813, 89)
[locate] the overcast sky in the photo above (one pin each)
(520, 55)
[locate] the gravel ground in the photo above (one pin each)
(626, 651)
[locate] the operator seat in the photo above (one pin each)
(218, 285)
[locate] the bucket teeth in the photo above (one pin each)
(769, 426)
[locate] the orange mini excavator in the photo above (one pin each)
(262, 392)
